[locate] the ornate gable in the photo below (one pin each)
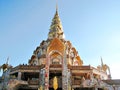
(56, 45)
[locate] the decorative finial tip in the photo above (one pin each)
(7, 60)
(56, 7)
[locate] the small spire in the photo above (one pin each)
(7, 60)
(56, 6)
(56, 30)
(101, 62)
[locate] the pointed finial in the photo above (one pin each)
(7, 60)
(101, 61)
(56, 5)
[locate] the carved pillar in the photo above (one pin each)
(19, 75)
(69, 80)
(42, 78)
(64, 72)
(47, 73)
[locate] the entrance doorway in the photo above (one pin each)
(58, 75)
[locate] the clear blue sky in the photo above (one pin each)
(92, 26)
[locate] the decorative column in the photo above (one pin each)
(64, 72)
(69, 80)
(42, 78)
(47, 73)
(19, 75)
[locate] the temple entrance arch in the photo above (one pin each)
(55, 57)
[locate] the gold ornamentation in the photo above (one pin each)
(105, 67)
(56, 45)
(79, 60)
(40, 88)
(55, 83)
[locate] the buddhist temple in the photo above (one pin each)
(56, 65)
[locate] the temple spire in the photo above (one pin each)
(56, 30)
(102, 62)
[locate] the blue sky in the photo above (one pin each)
(92, 26)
